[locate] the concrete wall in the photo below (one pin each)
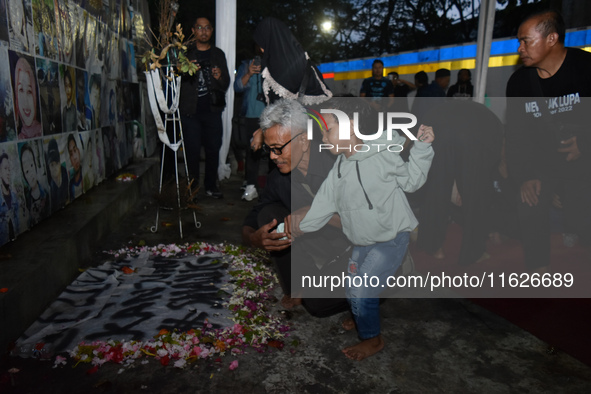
(67, 73)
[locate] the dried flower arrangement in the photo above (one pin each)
(170, 46)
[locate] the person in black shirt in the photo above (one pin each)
(377, 85)
(202, 104)
(462, 88)
(402, 88)
(421, 81)
(430, 96)
(467, 149)
(548, 140)
(438, 86)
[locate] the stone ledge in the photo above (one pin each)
(45, 259)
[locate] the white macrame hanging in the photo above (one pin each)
(159, 101)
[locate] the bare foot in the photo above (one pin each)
(542, 270)
(287, 302)
(485, 256)
(348, 324)
(439, 255)
(365, 348)
(495, 238)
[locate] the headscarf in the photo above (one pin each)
(284, 64)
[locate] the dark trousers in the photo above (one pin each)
(203, 130)
(535, 221)
(461, 160)
(252, 158)
(467, 149)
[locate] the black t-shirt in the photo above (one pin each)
(377, 87)
(196, 89)
(543, 112)
(400, 104)
(203, 80)
(401, 90)
(461, 90)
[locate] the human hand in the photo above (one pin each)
(571, 148)
(456, 198)
(426, 134)
(216, 72)
(503, 168)
(292, 222)
(530, 190)
(257, 140)
(252, 69)
(556, 203)
(270, 241)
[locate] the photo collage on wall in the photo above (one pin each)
(66, 68)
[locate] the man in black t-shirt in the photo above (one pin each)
(548, 141)
(201, 106)
(462, 88)
(377, 85)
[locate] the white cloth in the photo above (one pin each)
(225, 23)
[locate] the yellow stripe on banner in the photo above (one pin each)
(362, 74)
(588, 49)
(466, 63)
(494, 61)
(502, 61)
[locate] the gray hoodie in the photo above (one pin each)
(367, 191)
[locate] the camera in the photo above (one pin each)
(256, 61)
(261, 97)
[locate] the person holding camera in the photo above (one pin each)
(402, 88)
(203, 101)
(249, 82)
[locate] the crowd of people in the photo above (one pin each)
(332, 206)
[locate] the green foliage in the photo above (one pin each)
(190, 68)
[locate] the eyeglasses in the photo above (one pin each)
(278, 151)
(199, 28)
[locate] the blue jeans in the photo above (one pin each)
(379, 260)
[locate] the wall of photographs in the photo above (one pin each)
(69, 102)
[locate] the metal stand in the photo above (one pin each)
(175, 118)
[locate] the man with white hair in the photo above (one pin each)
(290, 189)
